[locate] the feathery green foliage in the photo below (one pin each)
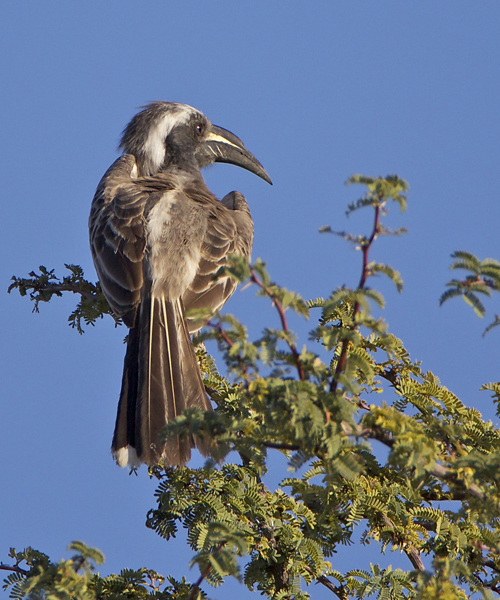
(433, 493)
(43, 286)
(484, 279)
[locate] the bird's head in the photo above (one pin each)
(165, 134)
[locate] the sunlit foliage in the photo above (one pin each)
(331, 418)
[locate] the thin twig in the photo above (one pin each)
(284, 324)
(339, 591)
(208, 568)
(277, 446)
(491, 586)
(196, 586)
(13, 568)
(218, 327)
(58, 288)
(411, 552)
(222, 333)
(439, 471)
(364, 276)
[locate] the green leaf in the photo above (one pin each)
(393, 275)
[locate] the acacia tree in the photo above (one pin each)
(328, 416)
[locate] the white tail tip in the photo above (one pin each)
(127, 457)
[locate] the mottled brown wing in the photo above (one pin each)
(229, 231)
(116, 227)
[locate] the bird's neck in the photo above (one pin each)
(184, 161)
(185, 177)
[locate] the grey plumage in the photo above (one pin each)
(158, 236)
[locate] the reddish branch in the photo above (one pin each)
(284, 324)
(365, 248)
(487, 282)
(222, 333)
(13, 568)
(196, 586)
(218, 327)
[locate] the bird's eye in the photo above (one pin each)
(199, 128)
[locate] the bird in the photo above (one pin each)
(158, 236)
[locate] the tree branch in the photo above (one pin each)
(206, 571)
(284, 324)
(278, 446)
(365, 272)
(59, 288)
(13, 568)
(411, 552)
(218, 327)
(386, 438)
(339, 591)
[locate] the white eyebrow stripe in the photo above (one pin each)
(154, 147)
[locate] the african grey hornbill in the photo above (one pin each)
(158, 236)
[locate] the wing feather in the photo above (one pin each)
(229, 231)
(117, 235)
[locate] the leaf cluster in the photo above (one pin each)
(484, 278)
(42, 286)
(39, 578)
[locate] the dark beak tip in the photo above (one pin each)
(262, 173)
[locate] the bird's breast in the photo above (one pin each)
(176, 227)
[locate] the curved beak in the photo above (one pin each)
(221, 145)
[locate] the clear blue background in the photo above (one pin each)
(317, 91)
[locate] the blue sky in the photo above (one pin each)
(317, 91)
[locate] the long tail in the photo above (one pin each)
(160, 379)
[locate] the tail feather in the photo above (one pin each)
(161, 378)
